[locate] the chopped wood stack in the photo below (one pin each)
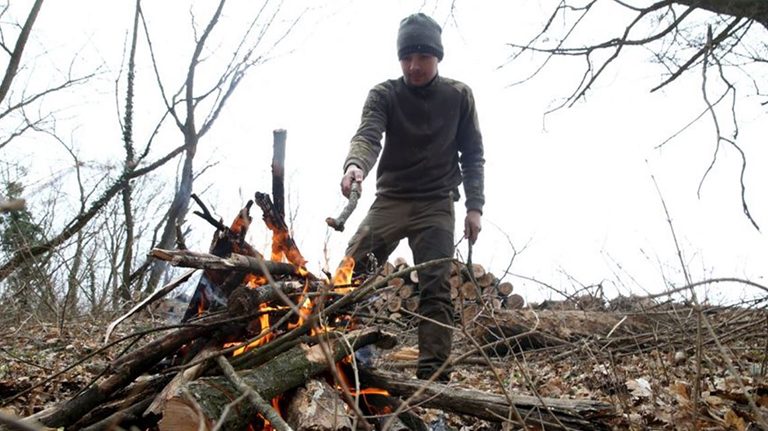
(473, 290)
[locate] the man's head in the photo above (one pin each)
(419, 48)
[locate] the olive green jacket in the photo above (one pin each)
(432, 141)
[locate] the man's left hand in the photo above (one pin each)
(472, 225)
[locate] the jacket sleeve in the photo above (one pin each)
(365, 146)
(471, 155)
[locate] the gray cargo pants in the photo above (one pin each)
(429, 226)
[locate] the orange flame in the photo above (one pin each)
(345, 383)
(343, 275)
(253, 281)
(264, 323)
(201, 304)
(283, 245)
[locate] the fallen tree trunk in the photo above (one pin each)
(550, 413)
(285, 371)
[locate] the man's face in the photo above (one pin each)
(418, 68)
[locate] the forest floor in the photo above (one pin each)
(651, 384)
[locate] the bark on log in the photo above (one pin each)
(234, 262)
(316, 406)
(574, 414)
(285, 371)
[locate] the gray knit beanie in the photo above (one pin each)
(419, 33)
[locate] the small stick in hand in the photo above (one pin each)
(338, 222)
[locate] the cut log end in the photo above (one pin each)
(180, 415)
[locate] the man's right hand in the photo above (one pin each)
(353, 175)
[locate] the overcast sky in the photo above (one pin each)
(573, 192)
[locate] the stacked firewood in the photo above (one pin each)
(473, 290)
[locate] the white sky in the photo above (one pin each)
(573, 191)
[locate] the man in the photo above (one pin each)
(432, 144)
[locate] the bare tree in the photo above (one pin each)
(717, 41)
(183, 106)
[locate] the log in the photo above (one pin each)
(514, 302)
(124, 405)
(132, 414)
(400, 263)
(489, 292)
(505, 288)
(233, 262)
(414, 277)
(394, 303)
(469, 291)
(283, 372)
(180, 379)
(411, 304)
(387, 269)
(580, 414)
(477, 271)
(316, 406)
(396, 283)
(486, 280)
(406, 291)
(455, 292)
(455, 281)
